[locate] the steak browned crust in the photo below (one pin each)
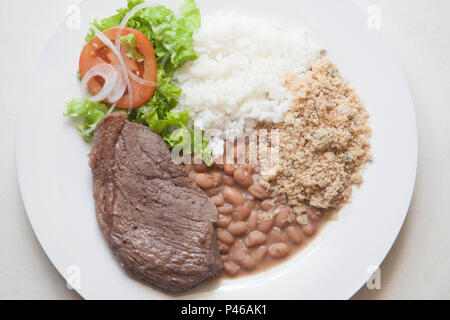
(158, 223)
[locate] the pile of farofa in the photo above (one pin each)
(324, 141)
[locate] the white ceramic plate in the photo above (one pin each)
(55, 179)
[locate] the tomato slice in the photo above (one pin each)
(96, 52)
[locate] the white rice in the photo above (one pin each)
(238, 80)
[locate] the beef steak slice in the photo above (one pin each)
(158, 223)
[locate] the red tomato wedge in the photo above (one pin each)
(96, 52)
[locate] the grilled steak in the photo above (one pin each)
(158, 223)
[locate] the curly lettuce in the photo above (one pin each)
(130, 42)
(91, 112)
(172, 39)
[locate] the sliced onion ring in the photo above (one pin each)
(118, 90)
(123, 82)
(124, 68)
(111, 109)
(108, 73)
(122, 26)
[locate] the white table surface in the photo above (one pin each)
(417, 266)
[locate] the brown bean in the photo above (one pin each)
(237, 228)
(278, 250)
(277, 236)
(217, 178)
(239, 251)
(282, 218)
(242, 178)
(223, 248)
(201, 168)
(225, 236)
(231, 268)
(213, 192)
(253, 219)
(223, 221)
(260, 253)
(228, 181)
(250, 203)
(218, 200)
(255, 238)
(258, 192)
(294, 235)
(241, 213)
(268, 204)
(265, 226)
(250, 169)
(309, 229)
(204, 180)
(192, 174)
(247, 262)
(292, 217)
(226, 209)
(229, 169)
(233, 196)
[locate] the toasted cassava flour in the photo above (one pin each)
(239, 78)
(324, 141)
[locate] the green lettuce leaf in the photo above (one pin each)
(90, 112)
(130, 41)
(134, 3)
(161, 126)
(172, 39)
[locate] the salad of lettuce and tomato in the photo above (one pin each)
(128, 64)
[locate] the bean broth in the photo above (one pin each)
(255, 230)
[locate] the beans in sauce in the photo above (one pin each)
(254, 229)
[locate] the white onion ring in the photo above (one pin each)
(122, 25)
(112, 92)
(111, 109)
(118, 90)
(124, 68)
(107, 72)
